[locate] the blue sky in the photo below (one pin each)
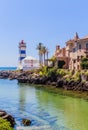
(51, 22)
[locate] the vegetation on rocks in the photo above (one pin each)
(5, 125)
(84, 63)
(60, 78)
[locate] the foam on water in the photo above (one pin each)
(46, 127)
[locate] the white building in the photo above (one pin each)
(29, 63)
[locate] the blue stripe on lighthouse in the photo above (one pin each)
(22, 51)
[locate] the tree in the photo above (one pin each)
(53, 59)
(84, 63)
(39, 48)
(43, 51)
(47, 52)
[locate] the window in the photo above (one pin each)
(81, 57)
(74, 61)
(86, 45)
(80, 46)
(74, 49)
(78, 58)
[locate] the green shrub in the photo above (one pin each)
(84, 72)
(84, 63)
(68, 79)
(76, 76)
(61, 72)
(43, 71)
(5, 125)
(52, 72)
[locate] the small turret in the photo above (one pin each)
(57, 47)
(76, 37)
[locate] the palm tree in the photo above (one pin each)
(47, 52)
(53, 59)
(39, 48)
(43, 51)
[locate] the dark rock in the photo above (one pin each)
(60, 83)
(84, 86)
(8, 117)
(53, 78)
(48, 82)
(35, 81)
(2, 113)
(53, 83)
(22, 80)
(26, 122)
(44, 79)
(4, 74)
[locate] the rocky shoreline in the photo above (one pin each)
(8, 117)
(56, 81)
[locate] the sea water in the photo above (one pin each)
(46, 110)
(7, 68)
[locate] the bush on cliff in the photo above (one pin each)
(43, 71)
(52, 72)
(84, 63)
(5, 125)
(77, 76)
(61, 72)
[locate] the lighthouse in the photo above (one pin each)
(22, 51)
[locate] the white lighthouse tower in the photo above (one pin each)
(22, 52)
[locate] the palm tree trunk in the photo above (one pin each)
(47, 58)
(44, 58)
(39, 58)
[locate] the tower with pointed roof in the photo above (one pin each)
(76, 37)
(22, 51)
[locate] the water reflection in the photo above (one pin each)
(69, 113)
(22, 97)
(60, 112)
(54, 109)
(76, 114)
(42, 107)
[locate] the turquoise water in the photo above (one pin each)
(43, 108)
(8, 68)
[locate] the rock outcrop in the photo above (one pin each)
(8, 117)
(26, 122)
